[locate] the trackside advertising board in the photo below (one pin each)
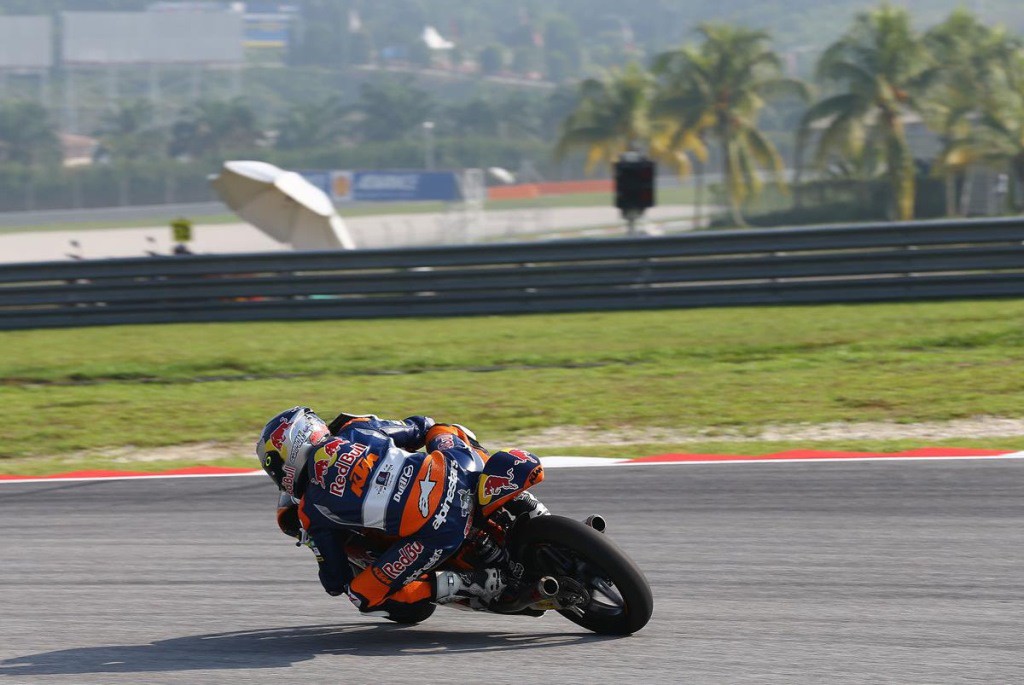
(387, 185)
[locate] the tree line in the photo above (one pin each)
(386, 110)
(962, 79)
(381, 128)
(723, 103)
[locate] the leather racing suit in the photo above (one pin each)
(369, 474)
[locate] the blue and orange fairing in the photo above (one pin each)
(506, 474)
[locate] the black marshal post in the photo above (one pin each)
(634, 186)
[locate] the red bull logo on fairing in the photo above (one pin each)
(492, 486)
(523, 457)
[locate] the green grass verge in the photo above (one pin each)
(82, 391)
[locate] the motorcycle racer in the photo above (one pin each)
(365, 473)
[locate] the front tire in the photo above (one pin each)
(560, 546)
(409, 614)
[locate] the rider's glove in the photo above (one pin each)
(288, 516)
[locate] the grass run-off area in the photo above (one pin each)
(100, 396)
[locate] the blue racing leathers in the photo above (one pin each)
(370, 474)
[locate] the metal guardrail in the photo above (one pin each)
(863, 263)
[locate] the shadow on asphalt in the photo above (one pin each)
(277, 648)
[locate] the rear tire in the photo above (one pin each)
(605, 560)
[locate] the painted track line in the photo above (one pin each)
(555, 462)
(824, 460)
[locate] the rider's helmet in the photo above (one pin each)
(284, 445)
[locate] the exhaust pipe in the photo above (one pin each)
(597, 522)
(546, 588)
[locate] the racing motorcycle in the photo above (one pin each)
(553, 563)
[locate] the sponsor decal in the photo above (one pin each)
(316, 550)
(361, 473)
(289, 478)
(491, 486)
(534, 476)
(277, 437)
(344, 462)
(465, 501)
(406, 557)
(429, 564)
(321, 462)
(332, 448)
(382, 479)
(403, 482)
(341, 185)
(516, 568)
(523, 457)
(449, 497)
(385, 181)
(426, 487)
(445, 441)
(380, 575)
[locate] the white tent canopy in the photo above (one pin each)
(283, 205)
(434, 40)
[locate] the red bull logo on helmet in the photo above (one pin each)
(277, 437)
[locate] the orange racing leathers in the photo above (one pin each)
(369, 475)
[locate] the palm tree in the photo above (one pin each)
(610, 117)
(880, 67)
(128, 133)
(27, 136)
(389, 110)
(999, 137)
(717, 91)
(967, 54)
(683, 107)
(215, 128)
(311, 125)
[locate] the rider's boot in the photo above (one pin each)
(524, 505)
(476, 589)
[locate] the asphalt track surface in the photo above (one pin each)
(762, 573)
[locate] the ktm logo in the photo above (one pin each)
(361, 472)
